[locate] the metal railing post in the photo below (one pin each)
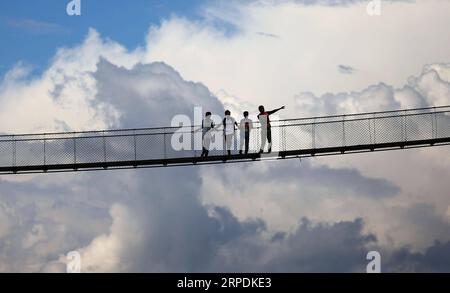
(405, 136)
(314, 133)
(45, 154)
(374, 130)
(135, 147)
(343, 131)
(74, 149)
(435, 133)
(104, 147)
(14, 159)
(165, 151)
(193, 141)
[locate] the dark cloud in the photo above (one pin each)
(150, 95)
(179, 234)
(435, 258)
(337, 247)
(42, 220)
(342, 181)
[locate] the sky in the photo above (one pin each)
(47, 26)
(139, 65)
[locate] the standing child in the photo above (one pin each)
(245, 127)
(228, 130)
(207, 126)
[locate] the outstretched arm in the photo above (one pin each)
(274, 111)
(216, 127)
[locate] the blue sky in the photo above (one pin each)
(31, 31)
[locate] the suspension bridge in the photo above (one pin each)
(292, 138)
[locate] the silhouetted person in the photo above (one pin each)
(228, 130)
(245, 126)
(266, 132)
(207, 126)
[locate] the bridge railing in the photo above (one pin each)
(131, 145)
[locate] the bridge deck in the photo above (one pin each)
(174, 146)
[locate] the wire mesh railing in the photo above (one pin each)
(135, 145)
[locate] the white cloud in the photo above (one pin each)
(63, 93)
(313, 41)
(104, 253)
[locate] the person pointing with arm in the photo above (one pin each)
(266, 131)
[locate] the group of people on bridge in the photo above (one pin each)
(245, 126)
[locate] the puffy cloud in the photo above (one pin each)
(281, 191)
(149, 94)
(324, 248)
(96, 84)
(430, 88)
(337, 247)
(323, 189)
(435, 259)
(313, 41)
(61, 98)
(39, 222)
